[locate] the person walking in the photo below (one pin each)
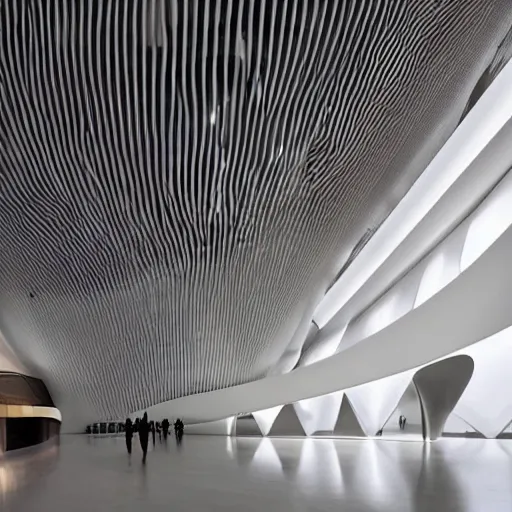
(165, 427)
(128, 431)
(144, 436)
(178, 430)
(153, 432)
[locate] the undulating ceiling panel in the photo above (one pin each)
(181, 181)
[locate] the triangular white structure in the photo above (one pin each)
(246, 425)
(374, 402)
(457, 426)
(347, 423)
(318, 415)
(506, 433)
(287, 423)
(266, 418)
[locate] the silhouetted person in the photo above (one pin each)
(152, 428)
(144, 436)
(401, 422)
(136, 425)
(178, 429)
(180, 432)
(128, 432)
(159, 430)
(165, 427)
(379, 433)
(404, 421)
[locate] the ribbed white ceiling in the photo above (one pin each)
(180, 181)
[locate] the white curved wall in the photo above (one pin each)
(389, 308)
(473, 306)
(324, 349)
(442, 265)
(489, 222)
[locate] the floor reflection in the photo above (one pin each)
(219, 473)
(374, 473)
(19, 468)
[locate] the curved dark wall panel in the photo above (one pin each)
(17, 389)
(180, 181)
(440, 386)
(24, 432)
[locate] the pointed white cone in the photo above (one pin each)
(319, 414)
(287, 423)
(347, 423)
(266, 418)
(374, 402)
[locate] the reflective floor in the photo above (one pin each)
(249, 474)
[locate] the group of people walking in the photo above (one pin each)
(402, 421)
(143, 427)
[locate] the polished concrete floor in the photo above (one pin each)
(249, 474)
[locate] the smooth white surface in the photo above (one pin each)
(442, 266)
(324, 348)
(319, 414)
(249, 474)
(265, 418)
(374, 402)
(398, 301)
(489, 222)
(470, 138)
(486, 404)
(432, 280)
(456, 425)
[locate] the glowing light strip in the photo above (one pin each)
(29, 411)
